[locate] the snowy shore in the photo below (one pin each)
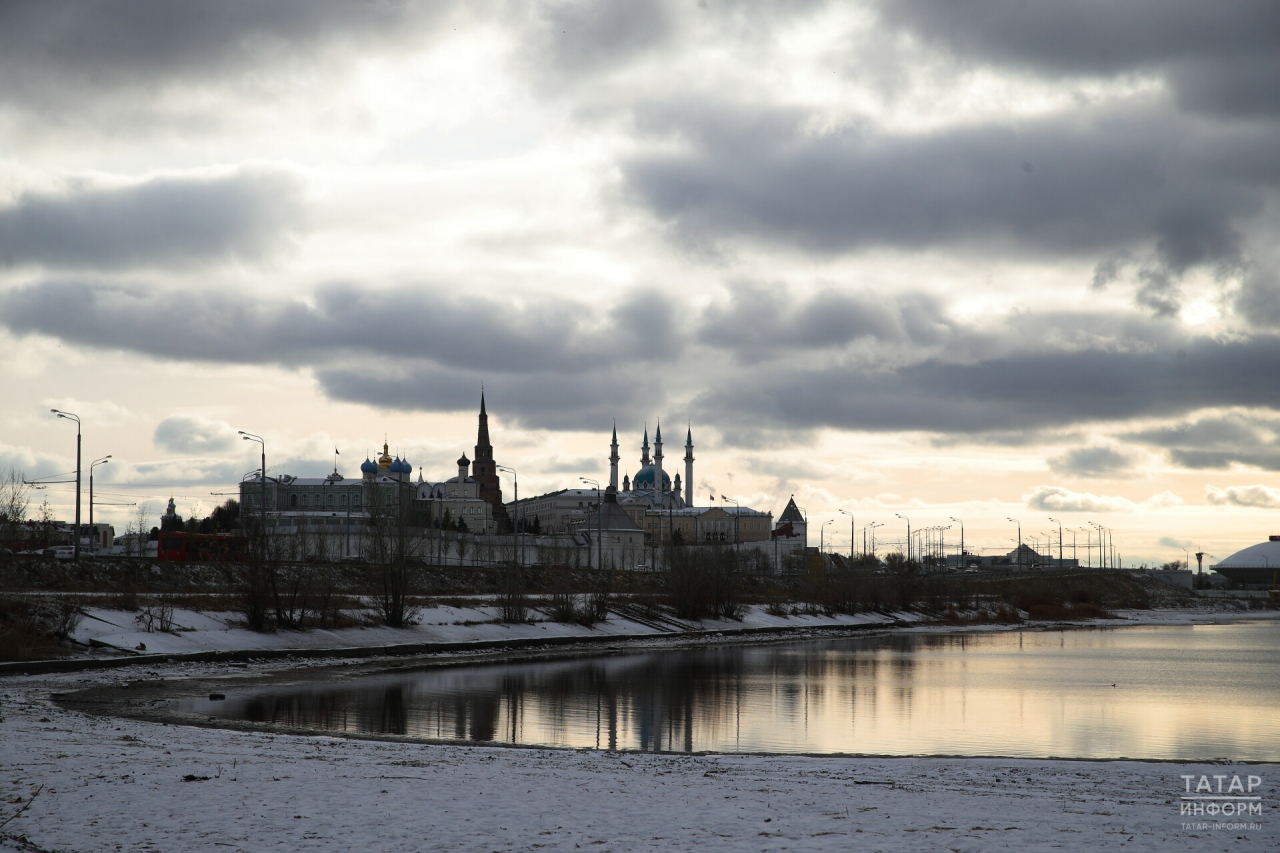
(111, 783)
(106, 633)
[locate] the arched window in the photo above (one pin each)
(293, 500)
(355, 500)
(330, 500)
(302, 499)
(343, 500)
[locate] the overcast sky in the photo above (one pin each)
(979, 259)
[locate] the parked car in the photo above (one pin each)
(62, 552)
(353, 560)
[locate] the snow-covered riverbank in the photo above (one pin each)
(111, 784)
(119, 633)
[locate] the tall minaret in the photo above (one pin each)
(657, 462)
(688, 467)
(644, 448)
(613, 459)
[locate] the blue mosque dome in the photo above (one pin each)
(368, 466)
(643, 480)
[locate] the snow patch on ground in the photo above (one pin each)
(204, 632)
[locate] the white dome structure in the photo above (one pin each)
(1257, 564)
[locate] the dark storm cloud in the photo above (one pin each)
(1218, 441)
(167, 221)
(65, 51)
(1021, 390)
(1092, 462)
(1219, 58)
(1090, 185)
(433, 324)
(758, 320)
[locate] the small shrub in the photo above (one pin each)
(156, 616)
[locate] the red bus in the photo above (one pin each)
(182, 547)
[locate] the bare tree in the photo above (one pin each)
(393, 548)
(14, 502)
(461, 545)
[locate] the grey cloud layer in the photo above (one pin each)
(191, 435)
(1079, 185)
(830, 317)
(63, 52)
(561, 364)
(1221, 58)
(475, 333)
(167, 221)
(1219, 441)
(1092, 462)
(1021, 390)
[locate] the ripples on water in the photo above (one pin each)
(1185, 692)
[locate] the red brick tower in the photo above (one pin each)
(484, 470)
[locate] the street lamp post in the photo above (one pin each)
(822, 536)
(908, 521)
(873, 525)
(96, 462)
(248, 436)
(962, 559)
(76, 418)
(1059, 523)
(853, 537)
(515, 478)
(737, 518)
(1019, 523)
(599, 520)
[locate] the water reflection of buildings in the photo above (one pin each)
(663, 701)
(1033, 694)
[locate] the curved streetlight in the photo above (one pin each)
(248, 436)
(853, 536)
(515, 479)
(962, 559)
(873, 525)
(103, 461)
(1059, 523)
(69, 416)
(737, 516)
(908, 521)
(1097, 528)
(599, 518)
(822, 530)
(1019, 523)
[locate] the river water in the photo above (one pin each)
(1168, 692)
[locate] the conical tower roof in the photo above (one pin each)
(791, 514)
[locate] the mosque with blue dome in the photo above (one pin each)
(652, 487)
